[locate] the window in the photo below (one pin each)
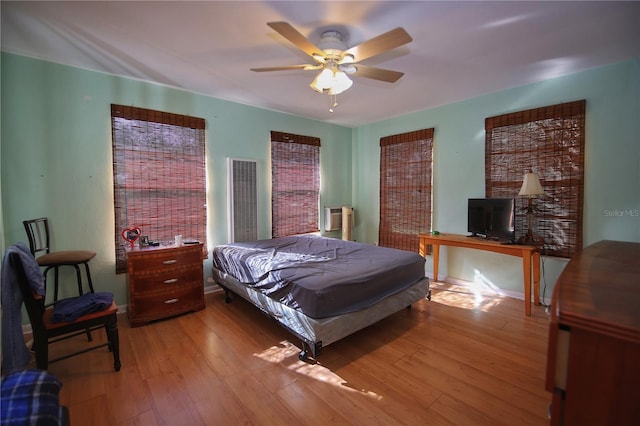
(550, 142)
(159, 177)
(405, 188)
(295, 193)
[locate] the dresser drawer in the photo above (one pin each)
(167, 280)
(163, 260)
(161, 305)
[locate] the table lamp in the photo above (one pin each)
(530, 188)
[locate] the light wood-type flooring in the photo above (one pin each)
(467, 357)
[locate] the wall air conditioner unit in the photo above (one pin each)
(332, 218)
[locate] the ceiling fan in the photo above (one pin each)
(335, 60)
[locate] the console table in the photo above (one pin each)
(530, 258)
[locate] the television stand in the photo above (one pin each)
(530, 258)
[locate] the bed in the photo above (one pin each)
(320, 289)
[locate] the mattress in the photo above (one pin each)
(321, 277)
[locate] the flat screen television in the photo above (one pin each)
(492, 218)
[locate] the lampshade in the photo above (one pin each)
(340, 83)
(531, 185)
(322, 81)
(334, 81)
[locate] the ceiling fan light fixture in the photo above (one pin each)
(319, 58)
(331, 42)
(347, 59)
(323, 80)
(340, 82)
(333, 80)
(348, 68)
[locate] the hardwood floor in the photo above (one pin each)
(464, 358)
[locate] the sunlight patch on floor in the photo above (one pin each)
(285, 350)
(276, 354)
(480, 294)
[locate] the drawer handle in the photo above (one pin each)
(170, 301)
(169, 262)
(171, 281)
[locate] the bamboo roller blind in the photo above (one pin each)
(295, 174)
(550, 142)
(159, 176)
(405, 188)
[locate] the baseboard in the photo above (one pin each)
(498, 291)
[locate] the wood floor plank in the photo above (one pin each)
(476, 394)
(459, 413)
(138, 401)
(172, 404)
(94, 411)
(260, 403)
(466, 357)
(146, 418)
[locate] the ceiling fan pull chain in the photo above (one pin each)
(334, 104)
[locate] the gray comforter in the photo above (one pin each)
(320, 276)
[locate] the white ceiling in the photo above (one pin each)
(460, 49)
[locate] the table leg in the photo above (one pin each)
(526, 266)
(436, 258)
(536, 277)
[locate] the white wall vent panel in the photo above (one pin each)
(242, 199)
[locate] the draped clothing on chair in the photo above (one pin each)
(15, 355)
(69, 310)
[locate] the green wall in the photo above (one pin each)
(612, 166)
(56, 159)
(56, 155)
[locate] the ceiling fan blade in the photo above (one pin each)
(377, 73)
(288, 67)
(301, 42)
(382, 43)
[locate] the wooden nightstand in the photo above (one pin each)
(164, 281)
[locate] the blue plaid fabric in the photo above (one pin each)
(31, 397)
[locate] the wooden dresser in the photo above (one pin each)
(593, 360)
(164, 281)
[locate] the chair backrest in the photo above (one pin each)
(35, 307)
(38, 234)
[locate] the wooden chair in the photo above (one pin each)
(39, 242)
(46, 332)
